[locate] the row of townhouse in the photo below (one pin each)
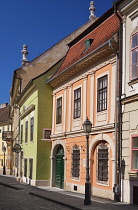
(91, 73)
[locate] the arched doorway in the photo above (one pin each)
(59, 173)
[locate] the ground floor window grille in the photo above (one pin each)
(102, 163)
(75, 162)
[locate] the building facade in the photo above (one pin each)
(84, 86)
(5, 139)
(129, 12)
(20, 103)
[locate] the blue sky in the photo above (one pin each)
(40, 24)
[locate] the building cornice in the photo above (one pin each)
(86, 74)
(77, 133)
(130, 99)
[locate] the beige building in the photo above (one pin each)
(129, 12)
(5, 128)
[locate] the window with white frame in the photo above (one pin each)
(134, 54)
(47, 133)
(134, 152)
(30, 168)
(75, 162)
(25, 167)
(21, 135)
(31, 128)
(59, 111)
(26, 132)
(102, 163)
(102, 93)
(77, 103)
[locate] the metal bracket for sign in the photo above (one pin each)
(17, 148)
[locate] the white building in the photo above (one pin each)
(129, 12)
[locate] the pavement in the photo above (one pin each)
(65, 198)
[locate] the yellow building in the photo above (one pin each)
(5, 128)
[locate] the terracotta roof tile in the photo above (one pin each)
(100, 35)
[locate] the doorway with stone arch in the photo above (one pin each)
(58, 167)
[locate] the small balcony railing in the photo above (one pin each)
(7, 135)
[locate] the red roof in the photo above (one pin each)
(100, 35)
(4, 114)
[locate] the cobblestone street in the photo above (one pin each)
(15, 195)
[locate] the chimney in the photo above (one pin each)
(92, 11)
(24, 54)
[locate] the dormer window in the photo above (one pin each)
(88, 43)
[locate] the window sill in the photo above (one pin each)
(133, 81)
(134, 172)
(32, 141)
(103, 183)
(75, 179)
(46, 139)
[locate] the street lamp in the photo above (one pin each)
(87, 125)
(4, 167)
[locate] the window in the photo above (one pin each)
(25, 167)
(1, 162)
(2, 145)
(135, 153)
(75, 162)
(21, 133)
(102, 94)
(26, 131)
(59, 111)
(134, 51)
(47, 134)
(77, 103)
(102, 163)
(30, 168)
(31, 128)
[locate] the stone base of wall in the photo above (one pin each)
(125, 191)
(99, 192)
(95, 191)
(75, 187)
(38, 183)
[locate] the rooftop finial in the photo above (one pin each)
(24, 54)
(92, 10)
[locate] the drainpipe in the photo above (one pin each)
(116, 93)
(117, 187)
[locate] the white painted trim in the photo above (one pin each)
(84, 100)
(92, 98)
(64, 109)
(69, 108)
(107, 110)
(79, 120)
(53, 115)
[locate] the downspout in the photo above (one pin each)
(116, 83)
(119, 106)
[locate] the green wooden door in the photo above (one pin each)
(60, 170)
